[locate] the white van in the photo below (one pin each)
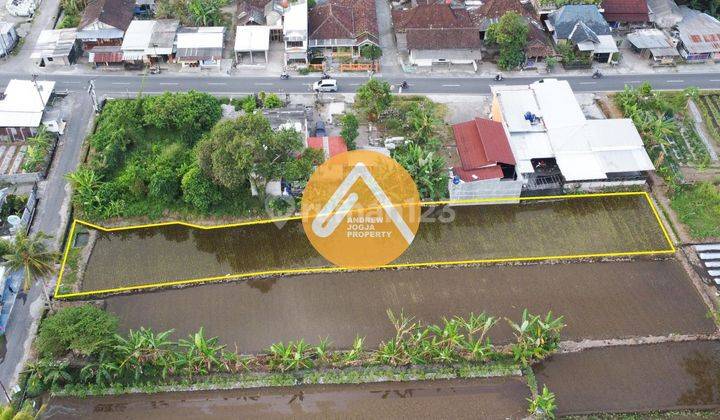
(325, 85)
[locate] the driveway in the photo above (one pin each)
(389, 62)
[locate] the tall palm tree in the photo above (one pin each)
(29, 253)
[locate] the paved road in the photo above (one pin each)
(118, 85)
(52, 209)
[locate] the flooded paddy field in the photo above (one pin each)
(533, 229)
(598, 300)
(492, 398)
(670, 376)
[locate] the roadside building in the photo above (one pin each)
(263, 13)
(250, 40)
(22, 106)
(150, 41)
(56, 47)
(626, 12)
(539, 46)
(555, 146)
(487, 164)
(654, 44)
(295, 32)
(200, 46)
(664, 14)
(699, 35)
(330, 145)
(340, 28)
(106, 56)
(104, 22)
(583, 26)
(437, 33)
(8, 38)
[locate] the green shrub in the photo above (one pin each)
(271, 101)
(191, 113)
(69, 20)
(164, 185)
(79, 329)
(199, 191)
(7, 413)
(349, 133)
(304, 71)
(698, 206)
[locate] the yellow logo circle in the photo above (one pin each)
(361, 209)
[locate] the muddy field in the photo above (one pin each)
(496, 398)
(532, 229)
(598, 300)
(669, 376)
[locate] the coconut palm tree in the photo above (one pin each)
(29, 253)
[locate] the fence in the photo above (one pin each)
(360, 67)
(316, 67)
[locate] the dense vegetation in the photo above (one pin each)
(417, 120)
(510, 34)
(99, 357)
(192, 12)
(671, 141)
(169, 153)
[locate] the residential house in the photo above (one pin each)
(56, 47)
(22, 106)
(295, 32)
(699, 35)
(150, 41)
(252, 39)
(106, 56)
(342, 27)
(655, 44)
(8, 38)
(200, 46)
(583, 26)
(664, 14)
(487, 163)
(104, 22)
(263, 13)
(556, 146)
(626, 12)
(437, 33)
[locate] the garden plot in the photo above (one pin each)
(173, 254)
(709, 105)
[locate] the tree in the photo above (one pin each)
(373, 97)
(82, 330)
(421, 124)
(428, 170)
(349, 132)
(370, 52)
(247, 150)
(191, 113)
(510, 35)
(199, 190)
(300, 169)
(31, 255)
(206, 12)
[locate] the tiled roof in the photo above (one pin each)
(440, 39)
(333, 145)
(492, 10)
(116, 13)
(635, 11)
(432, 16)
(343, 19)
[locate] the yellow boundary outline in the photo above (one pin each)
(75, 222)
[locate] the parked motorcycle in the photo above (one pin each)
(597, 74)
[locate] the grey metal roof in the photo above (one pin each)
(699, 32)
(579, 22)
(191, 54)
(664, 13)
(648, 38)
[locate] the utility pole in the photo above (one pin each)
(93, 96)
(38, 88)
(7, 396)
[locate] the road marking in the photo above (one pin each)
(715, 80)
(451, 85)
(168, 83)
(264, 84)
(675, 81)
(120, 83)
(354, 84)
(635, 81)
(217, 84)
(70, 83)
(587, 83)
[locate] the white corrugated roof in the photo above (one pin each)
(24, 103)
(252, 38)
(137, 35)
(202, 37)
(296, 19)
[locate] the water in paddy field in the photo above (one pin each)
(669, 376)
(532, 229)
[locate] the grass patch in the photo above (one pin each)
(698, 207)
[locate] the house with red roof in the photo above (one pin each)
(487, 164)
(330, 145)
(342, 27)
(626, 11)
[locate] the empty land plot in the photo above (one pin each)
(599, 300)
(669, 376)
(534, 229)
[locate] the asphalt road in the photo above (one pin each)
(115, 85)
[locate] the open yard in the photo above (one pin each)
(598, 301)
(534, 229)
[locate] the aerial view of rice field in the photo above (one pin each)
(534, 229)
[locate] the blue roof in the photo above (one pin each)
(579, 22)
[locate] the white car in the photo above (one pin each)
(325, 85)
